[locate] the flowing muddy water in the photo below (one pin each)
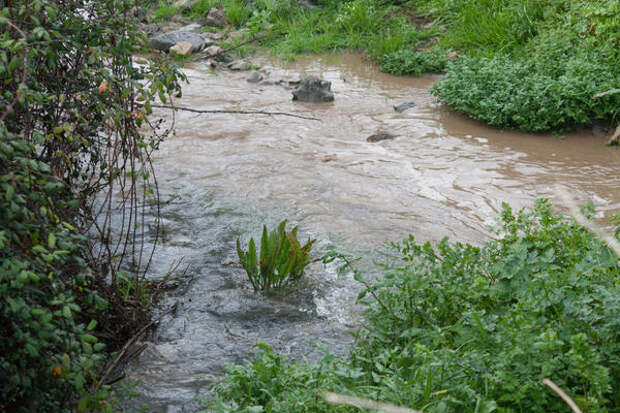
(222, 176)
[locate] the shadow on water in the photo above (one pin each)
(226, 175)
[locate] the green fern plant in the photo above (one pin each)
(282, 258)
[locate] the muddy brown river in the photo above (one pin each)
(222, 176)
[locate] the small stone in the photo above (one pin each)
(216, 18)
(254, 77)
(213, 36)
(182, 48)
(401, 107)
(192, 28)
(380, 136)
(240, 65)
(213, 51)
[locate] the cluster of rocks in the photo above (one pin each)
(191, 39)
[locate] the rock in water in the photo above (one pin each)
(240, 65)
(380, 136)
(165, 41)
(216, 18)
(254, 77)
(212, 51)
(313, 89)
(182, 48)
(404, 106)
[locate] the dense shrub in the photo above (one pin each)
(74, 109)
(461, 328)
(541, 93)
(414, 63)
(46, 355)
(490, 323)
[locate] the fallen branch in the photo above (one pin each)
(128, 344)
(563, 395)
(241, 112)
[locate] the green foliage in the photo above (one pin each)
(408, 62)
(535, 65)
(462, 328)
(47, 354)
(165, 11)
(273, 384)
(282, 259)
(540, 93)
(73, 128)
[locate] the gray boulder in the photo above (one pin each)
(165, 41)
(313, 89)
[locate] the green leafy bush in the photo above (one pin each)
(282, 259)
(414, 63)
(463, 328)
(47, 355)
(489, 323)
(535, 94)
(71, 92)
(274, 384)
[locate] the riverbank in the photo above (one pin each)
(530, 65)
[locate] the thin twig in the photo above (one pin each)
(335, 398)
(563, 395)
(131, 341)
(241, 112)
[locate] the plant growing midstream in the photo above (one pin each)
(281, 261)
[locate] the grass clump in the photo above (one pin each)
(414, 63)
(165, 11)
(281, 262)
(462, 328)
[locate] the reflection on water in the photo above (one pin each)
(444, 175)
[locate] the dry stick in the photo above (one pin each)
(581, 220)
(242, 112)
(563, 395)
(335, 398)
(132, 340)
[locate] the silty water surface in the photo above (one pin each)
(222, 176)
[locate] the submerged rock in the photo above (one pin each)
(313, 89)
(404, 106)
(240, 65)
(254, 77)
(165, 41)
(380, 136)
